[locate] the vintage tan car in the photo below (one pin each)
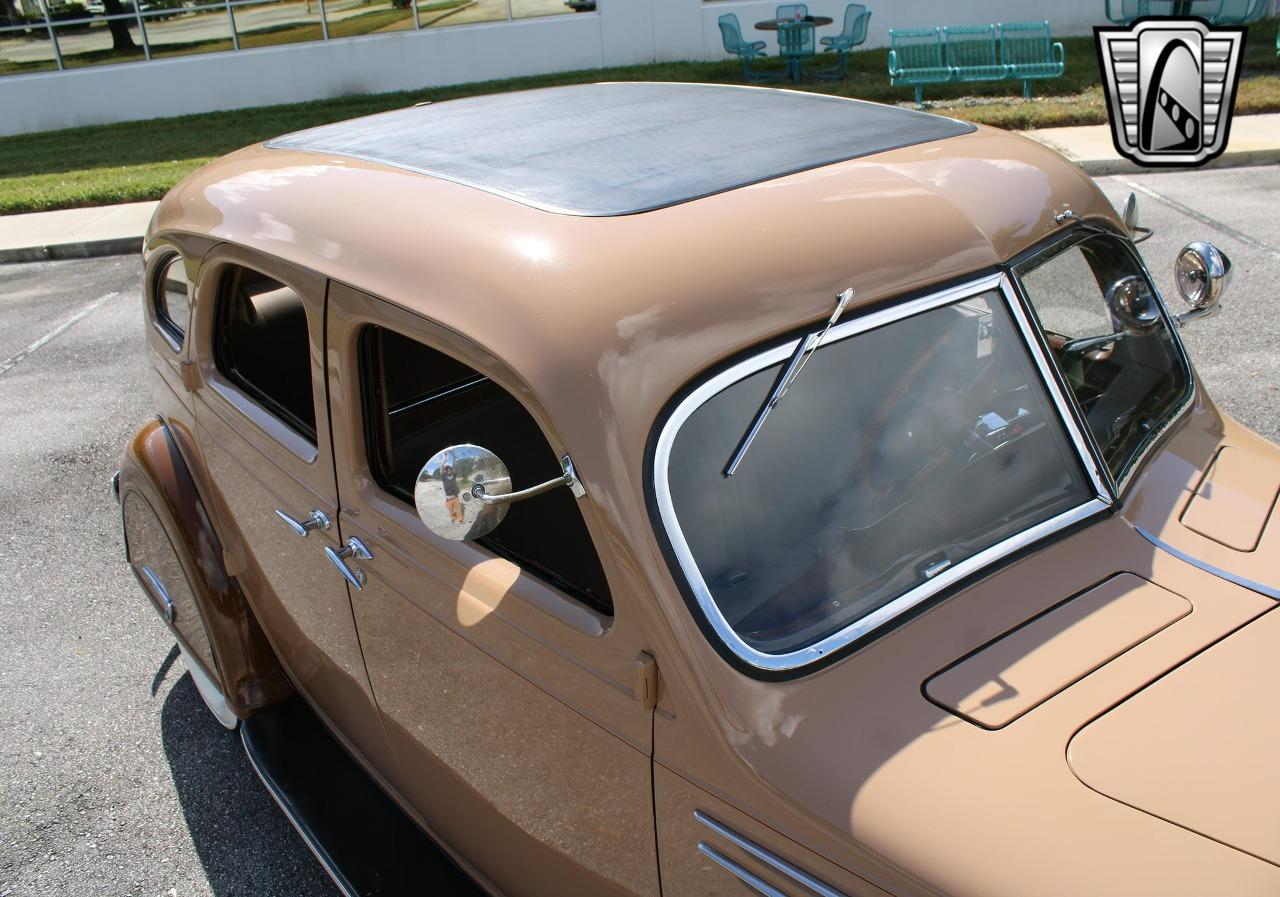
(693, 490)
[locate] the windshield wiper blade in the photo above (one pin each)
(799, 359)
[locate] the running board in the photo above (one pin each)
(362, 839)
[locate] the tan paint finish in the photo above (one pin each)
(1163, 490)
(1026, 667)
(257, 466)
(495, 689)
(1198, 747)
(872, 767)
(595, 324)
(1234, 500)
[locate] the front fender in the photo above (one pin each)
(174, 551)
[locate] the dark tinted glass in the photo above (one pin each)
(419, 401)
(898, 453)
(1127, 389)
(173, 299)
(263, 347)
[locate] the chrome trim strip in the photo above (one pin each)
(817, 886)
(161, 592)
(335, 874)
(1249, 584)
(857, 629)
(1044, 363)
(754, 882)
(1118, 485)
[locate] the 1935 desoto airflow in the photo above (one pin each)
(677, 488)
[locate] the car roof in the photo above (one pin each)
(608, 317)
(623, 148)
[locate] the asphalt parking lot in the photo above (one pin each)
(114, 779)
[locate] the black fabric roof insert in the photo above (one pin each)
(618, 149)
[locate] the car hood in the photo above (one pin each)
(1197, 748)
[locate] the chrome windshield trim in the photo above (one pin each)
(796, 874)
(1116, 484)
(1251, 585)
(748, 878)
(779, 663)
(1066, 405)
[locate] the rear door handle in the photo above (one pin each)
(338, 557)
(317, 520)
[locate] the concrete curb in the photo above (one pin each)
(1102, 167)
(60, 251)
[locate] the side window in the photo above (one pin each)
(1128, 387)
(418, 401)
(261, 345)
(172, 298)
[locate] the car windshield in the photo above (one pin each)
(903, 454)
(1129, 388)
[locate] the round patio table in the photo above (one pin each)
(772, 24)
(795, 66)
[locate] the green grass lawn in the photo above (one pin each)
(135, 161)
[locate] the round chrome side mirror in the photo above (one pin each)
(1133, 307)
(1202, 272)
(445, 492)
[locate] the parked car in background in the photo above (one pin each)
(581, 5)
(740, 489)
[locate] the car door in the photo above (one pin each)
(263, 427)
(504, 668)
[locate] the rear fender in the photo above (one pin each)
(174, 551)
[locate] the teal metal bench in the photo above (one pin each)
(915, 58)
(1029, 53)
(1216, 12)
(1025, 52)
(972, 54)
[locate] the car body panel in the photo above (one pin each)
(259, 466)
(475, 663)
(597, 325)
(171, 532)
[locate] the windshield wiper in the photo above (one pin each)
(799, 359)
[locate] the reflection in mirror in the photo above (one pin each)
(443, 492)
(1132, 305)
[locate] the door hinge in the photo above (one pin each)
(190, 375)
(645, 683)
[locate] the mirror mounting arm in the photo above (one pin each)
(1196, 314)
(568, 478)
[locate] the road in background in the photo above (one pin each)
(113, 777)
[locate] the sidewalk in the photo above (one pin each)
(112, 230)
(74, 233)
(1254, 140)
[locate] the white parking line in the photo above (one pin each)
(1199, 216)
(12, 361)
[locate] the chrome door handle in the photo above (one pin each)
(338, 557)
(318, 520)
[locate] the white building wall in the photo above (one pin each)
(622, 32)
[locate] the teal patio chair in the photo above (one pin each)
(972, 54)
(1029, 52)
(854, 33)
(915, 57)
(731, 33)
(787, 11)
(795, 42)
